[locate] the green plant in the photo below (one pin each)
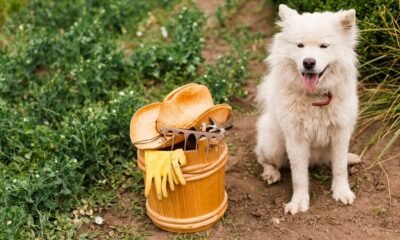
(379, 210)
(321, 175)
(46, 169)
(9, 6)
(174, 63)
(196, 236)
(226, 10)
(380, 95)
(226, 77)
(72, 73)
(227, 220)
(67, 95)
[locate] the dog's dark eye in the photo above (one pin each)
(324, 45)
(300, 45)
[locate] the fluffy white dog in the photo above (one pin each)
(310, 101)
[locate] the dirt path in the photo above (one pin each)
(256, 210)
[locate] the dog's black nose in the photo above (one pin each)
(309, 63)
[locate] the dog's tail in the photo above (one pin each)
(353, 158)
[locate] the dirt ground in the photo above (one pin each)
(255, 209)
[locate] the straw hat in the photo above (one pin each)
(186, 107)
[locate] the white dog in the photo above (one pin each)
(310, 101)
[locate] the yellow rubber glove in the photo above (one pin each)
(163, 167)
(178, 160)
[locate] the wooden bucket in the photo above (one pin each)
(200, 203)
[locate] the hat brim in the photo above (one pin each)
(144, 134)
(218, 114)
(142, 131)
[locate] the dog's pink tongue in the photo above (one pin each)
(310, 81)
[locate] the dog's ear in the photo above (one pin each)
(285, 12)
(347, 19)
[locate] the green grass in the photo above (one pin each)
(9, 6)
(380, 94)
(72, 73)
(379, 210)
(195, 236)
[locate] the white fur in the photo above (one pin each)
(290, 129)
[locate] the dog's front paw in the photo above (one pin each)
(343, 194)
(271, 175)
(299, 203)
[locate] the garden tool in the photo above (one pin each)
(213, 135)
(163, 167)
(187, 107)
